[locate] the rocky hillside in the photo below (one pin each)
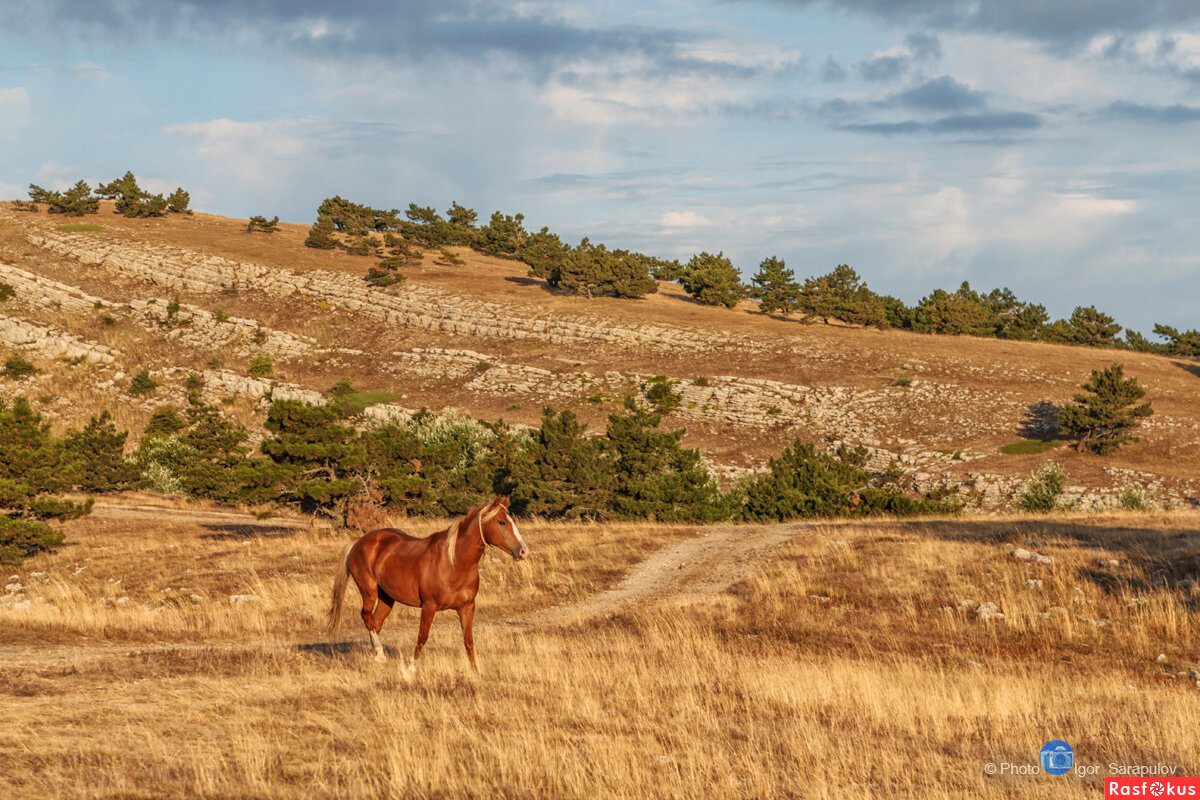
(194, 300)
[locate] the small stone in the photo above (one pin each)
(1022, 554)
(1033, 583)
(989, 611)
(1162, 658)
(1034, 543)
(1187, 584)
(242, 599)
(1038, 558)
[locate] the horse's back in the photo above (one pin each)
(392, 559)
(390, 541)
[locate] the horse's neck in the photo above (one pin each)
(469, 547)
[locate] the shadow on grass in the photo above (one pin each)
(1188, 366)
(1154, 557)
(232, 531)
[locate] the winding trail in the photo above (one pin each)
(693, 567)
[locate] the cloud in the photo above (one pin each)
(1168, 115)
(1067, 22)
(983, 123)
(683, 219)
(940, 94)
(882, 67)
(538, 37)
(14, 100)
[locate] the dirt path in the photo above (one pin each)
(693, 567)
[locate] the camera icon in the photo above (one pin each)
(1056, 757)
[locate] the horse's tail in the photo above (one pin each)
(339, 589)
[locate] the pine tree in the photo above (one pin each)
(261, 223)
(655, 476)
(177, 202)
(322, 454)
(547, 256)
(775, 287)
(712, 280)
(503, 236)
(1093, 328)
(563, 472)
(841, 295)
(1104, 415)
(321, 235)
(961, 313)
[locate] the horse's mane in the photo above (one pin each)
(475, 513)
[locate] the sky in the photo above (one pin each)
(1048, 147)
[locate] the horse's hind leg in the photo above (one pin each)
(370, 601)
(382, 608)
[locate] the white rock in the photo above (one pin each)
(243, 599)
(989, 611)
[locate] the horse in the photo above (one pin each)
(437, 573)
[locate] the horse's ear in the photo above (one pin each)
(496, 502)
(504, 502)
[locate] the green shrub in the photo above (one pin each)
(261, 223)
(261, 365)
(142, 384)
(1134, 499)
(7, 292)
(1042, 490)
(22, 538)
(16, 367)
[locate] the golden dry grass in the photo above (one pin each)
(766, 689)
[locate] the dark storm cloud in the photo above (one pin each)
(411, 31)
(984, 124)
(1163, 115)
(1057, 21)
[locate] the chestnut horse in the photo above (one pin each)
(434, 574)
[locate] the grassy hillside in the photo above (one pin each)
(94, 307)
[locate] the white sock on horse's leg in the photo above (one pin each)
(378, 645)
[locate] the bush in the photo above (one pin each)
(7, 292)
(22, 538)
(261, 365)
(16, 367)
(1041, 491)
(75, 202)
(142, 384)
(1133, 499)
(261, 223)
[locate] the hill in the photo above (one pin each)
(94, 305)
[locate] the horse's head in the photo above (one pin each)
(500, 529)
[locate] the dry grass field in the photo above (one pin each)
(853, 660)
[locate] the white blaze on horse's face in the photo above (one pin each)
(519, 549)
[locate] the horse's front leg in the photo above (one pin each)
(427, 612)
(466, 617)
